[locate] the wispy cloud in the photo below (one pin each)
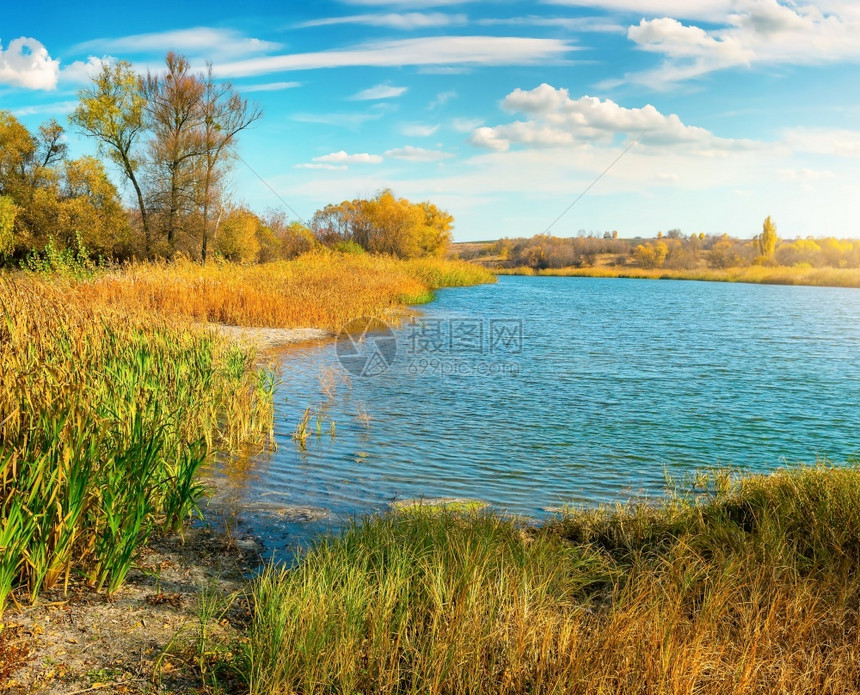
(394, 20)
(56, 107)
(208, 41)
(407, 4)
(418, 154)
(342, 157)
(442, 98)
(444, 70)
(708, 10)
(350, 121)
(380, 91)
(426, 51)
(578, 24)
(466, 125)
(325, 167)
(837, 142)
(270, 86)
(419, 130)
(805, 175)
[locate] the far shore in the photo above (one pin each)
(759, 275)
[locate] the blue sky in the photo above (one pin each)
(503, 112)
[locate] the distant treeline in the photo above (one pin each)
(172, 137)
(673, 250)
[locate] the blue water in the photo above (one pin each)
(611, 384)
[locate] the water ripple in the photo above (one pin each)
(619, 381)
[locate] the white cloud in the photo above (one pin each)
(351, 121)
(826, 141)
(403, 20)
(26, 63)
(380, 91)
(555, 119)
(805, 175)
(443, 70)
(269, 86)
(81, 72)
(442, 98)
(750, 33)
(688, 9)
(577, 24)
(343, 158)
(57, 107)
(418, 130)
(199, 41)
(427, 51)
(407, 4)
(326, 167)
(418, 154)
(466, 125)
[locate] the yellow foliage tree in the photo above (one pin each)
(386, 224)
(8, 210)
(112, 111)
(651, 255)
(91, 209)
(238, 236)
(767, 239)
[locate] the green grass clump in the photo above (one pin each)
(743, 585)
(436, 506)
(105, 418)
(411, 603)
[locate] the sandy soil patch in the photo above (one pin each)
(266, 338)
(141, 640)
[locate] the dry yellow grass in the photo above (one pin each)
(106, 414)
(317, 290)
(111, 397)
(752, 589)
(779, 275)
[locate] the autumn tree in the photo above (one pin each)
(239, 236)
(723, 254)
(111, 111)
(174, 116)
(287, 239)
(8, 210)
(225, 114)
(91, 209)
(766, 241)
(651, 255)
(435, 234)
(18, 158)
(386, 224)
(53, 197)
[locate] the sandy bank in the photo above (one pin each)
(272, 337)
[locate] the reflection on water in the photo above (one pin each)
(615, 383)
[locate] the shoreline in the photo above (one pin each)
(269, 338)
(141, 640)
(846, 278)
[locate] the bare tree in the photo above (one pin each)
(174, 115)
(225, 114)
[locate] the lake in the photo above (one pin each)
(539, 391)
